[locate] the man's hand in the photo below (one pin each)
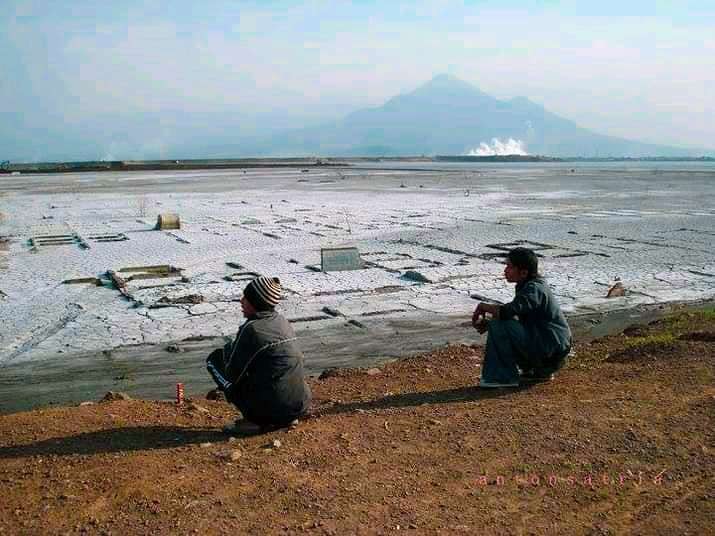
(479, 318)
(481, 325)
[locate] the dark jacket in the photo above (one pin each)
(540, 314)
(264, 373)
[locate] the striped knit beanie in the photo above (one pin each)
(263, 292)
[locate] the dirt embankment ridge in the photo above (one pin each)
(621, 442)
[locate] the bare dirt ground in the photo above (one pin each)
(621, 442)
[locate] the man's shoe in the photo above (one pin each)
(241, 427)
(273, 427)
(215, 394)
(496, 385)
(532, 377)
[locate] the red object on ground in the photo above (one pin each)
(179, 393)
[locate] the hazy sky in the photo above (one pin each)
(641, 70)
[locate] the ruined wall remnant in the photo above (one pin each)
(338, 259)
(168, 221)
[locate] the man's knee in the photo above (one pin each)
(500, 328)
(216, 358)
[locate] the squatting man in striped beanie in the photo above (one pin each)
(261, 370)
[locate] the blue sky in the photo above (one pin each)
(642, 70)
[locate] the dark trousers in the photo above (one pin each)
(217, 369)
(510, 349)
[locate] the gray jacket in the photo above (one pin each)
(542, 318)
(264, 368)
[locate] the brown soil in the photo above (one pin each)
(609, 447)
(705, 336)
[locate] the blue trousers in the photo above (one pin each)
(510, 348)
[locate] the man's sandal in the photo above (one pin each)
(531, 378)
(242, 427)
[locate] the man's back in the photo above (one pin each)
(539, 311)
(274, 379)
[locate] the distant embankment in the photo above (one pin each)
(147, 165)
(7, 167)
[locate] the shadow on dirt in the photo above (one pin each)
(462, 394)
(134, 438)
(124, 439)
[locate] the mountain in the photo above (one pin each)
(445, 116)
(449, 116)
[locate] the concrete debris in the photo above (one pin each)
(80, 280)
(373, 371)
(412, 275)
(195, 407)
(231, 455)
(275, 444)
(188, 299)
(115, 395)
(331, 311)
(616, 291)
(340, 259)
(119, 282)
(173, 348)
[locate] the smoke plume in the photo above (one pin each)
(499, 148)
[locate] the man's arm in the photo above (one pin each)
(526, 301)
(240, 352)
(216, 367)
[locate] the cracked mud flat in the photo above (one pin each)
(651, 227)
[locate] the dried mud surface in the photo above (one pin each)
(612, 446)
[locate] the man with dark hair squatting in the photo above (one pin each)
(528, 339)
(261, 371)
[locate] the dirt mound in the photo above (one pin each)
(646, 351)
(111, 396)
(635, 331)
(701, 336)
